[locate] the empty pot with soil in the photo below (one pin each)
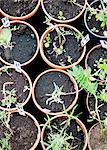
(63, 11)
(18, 132)
(95, 18)
(54, 91)
(19, 42)
(98, 137)
(19, 9)
(64, 132)
(15, 88)
(60, 46)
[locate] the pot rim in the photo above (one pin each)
(50, 29)
(64, 116)
(29, 15)
(30, 92)
(36, 124)
(85, 21)
(34, 97)
(36, 38)
(63, 21)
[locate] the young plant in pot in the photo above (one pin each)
(15, 88)
(53, 90)
(64, 132)
(60, 46)
(63, 11)
(97, 60)
(95, 18)
(19, 42)
(96, 86)
(19, 130)
(19, 9)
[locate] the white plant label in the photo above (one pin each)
(17, 66)
(6, 22)
(20, 110)
(103, 43)
(105, 1)
(85, 40)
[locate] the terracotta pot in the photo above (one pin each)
(87, 56)
(36, 124)
(30, 87)
(85, 20)
(21, 17)
(34, 95)
(89, 144)
(36, 36)
(78, 121)
(51, 29)
(62, 21)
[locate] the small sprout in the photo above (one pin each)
(5, 142)
(61, 16)
(47, 41)
(26, 88)
(9, 96)
(55, 96)
(69, 59)
(78, 36)
(58, 50)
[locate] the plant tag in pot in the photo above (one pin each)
(20, 109)
(6, 22)
(17, 66)
(103, 43)
(85, 40)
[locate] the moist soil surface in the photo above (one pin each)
(69, 9)
(24, 132)
(24, 45)
(19, 82)
(45, 85)
(95, 55)
(18, 8)
(98, 140)
(72, 129)
(95, 23)
(71, 49)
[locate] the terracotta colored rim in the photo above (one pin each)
(36, 124)
(63, 21)
(30, 91)
(89, 134)
(85, 21)
(34, 96)
(66, 116)
(23, 17)
(87, 56)
(50, 29)
(37, 38)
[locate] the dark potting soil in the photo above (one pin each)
(102, 106)
(18, 8)
(98, 140)
(69, 9)
(72, 49)
(78, 135)
(45, 85)
(19, 82)
(93, 23)
(24, 45)
(24, 132)
(95, 55)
